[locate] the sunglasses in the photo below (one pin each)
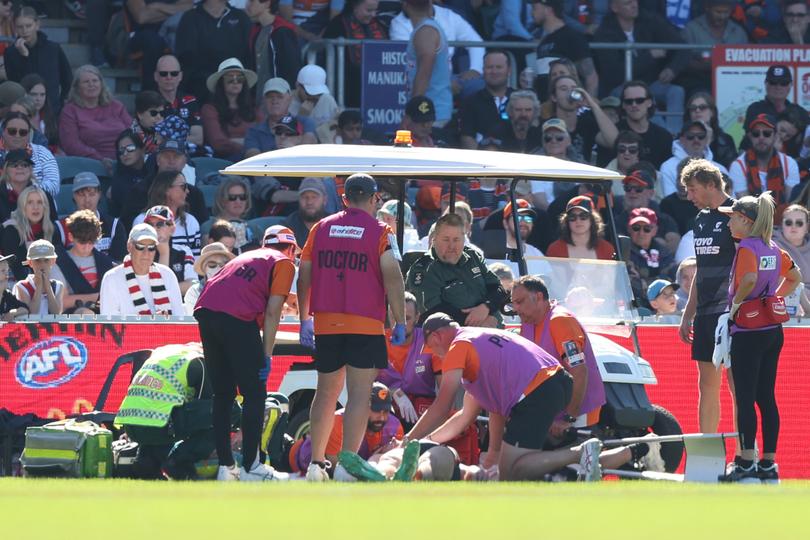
(283, 132)
(780, 83)
(234, 78)
(628, 149)
(22, 132)
(162, 223)
(23, 164)
(183, 186)
(701, 107)
(526, 219)
(127, 149)
(634, 101)
(233, 198)
(578, 216)
(794, 15)
(151, 248)
(791, 223)
(638, 228)
(558, 138)
(214, 264)
(634, 189)
(762, 133)
(693, 136)
(168, 73)
(154, 112)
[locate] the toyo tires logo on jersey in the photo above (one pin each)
(51, 363)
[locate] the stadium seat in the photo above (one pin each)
(261, 223)
(207, 165)
(209, 193)
(64, 200)
(493, 243)
(70, 166)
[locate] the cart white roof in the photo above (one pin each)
(343, 160)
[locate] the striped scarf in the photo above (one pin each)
(159, 294)
(775, 176)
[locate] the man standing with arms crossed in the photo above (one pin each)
(708, 297)
(349, 266)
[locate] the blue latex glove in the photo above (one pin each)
(264, 372)
(307, 333)
(398, 335)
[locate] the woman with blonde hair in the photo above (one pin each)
(232, 202)
(30, 221)
(91, 118)
(794, 237)
(761, 271)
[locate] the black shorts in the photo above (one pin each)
(532, 417)
(333, 351)
(703, 336)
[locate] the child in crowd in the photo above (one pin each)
(661, 295)
(10, 307)
(350, 128)
(38, 291)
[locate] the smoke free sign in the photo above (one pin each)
(384, 90)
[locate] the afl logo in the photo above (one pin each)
(51, 363)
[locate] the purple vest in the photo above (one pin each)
(507, 364)
(595, 391)
(389, 431)
(242, 287)
(417, 378)
(769, 268)
(346, 274)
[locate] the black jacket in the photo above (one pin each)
(6, 207)
(648, 28)
(48, 60)
(74, 277)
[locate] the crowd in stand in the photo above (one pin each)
(226, 80)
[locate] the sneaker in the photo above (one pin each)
(742, 475)
(653, 461)
(262, 473)
(768, 474)
(357, 468)
(410, 462)
(317, 472)
(227, 474)
(590, 470)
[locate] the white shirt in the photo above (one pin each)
(686, 247)
(453, 25)
(187, 235)
(22, 293)
(116, 300)
(739, 174)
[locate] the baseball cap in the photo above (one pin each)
(523, 207)
(208, 251)
(610, 102)
(85, 180)
(381, 397)
(421, 109)
(764, 119)
(656, 287)
(313, 78)
(143, 231)
(172, 145)
(163, 213)
(694, 123)
(312, 184)
(555, 123)
(360, 184)
(581, 202)
(16, 156)
(778, 74)
(549, 3)
(747, 206)
(435, 322)
(276, 84)
(640, 177)
(390, 208)
(10, 92)
(276, 235)
(290, 123)
(40, 249)
(643, 215)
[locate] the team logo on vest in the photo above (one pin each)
(51, 363)
(768, 262)
(346, 231)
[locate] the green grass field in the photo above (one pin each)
(119, 509)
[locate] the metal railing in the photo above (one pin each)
(335, 54)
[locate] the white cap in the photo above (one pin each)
(313, 79)
(143, 231)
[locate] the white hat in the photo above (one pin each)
(276, 84)
(231, 64)
(143, 231)
(313, 79)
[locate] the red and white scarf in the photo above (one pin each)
(159, 294)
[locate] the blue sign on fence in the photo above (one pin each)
(385, 85)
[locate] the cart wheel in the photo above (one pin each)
(666, 424)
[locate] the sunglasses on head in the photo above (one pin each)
(233, 198)
(693, 136)
(762, 133)
(155, 112)
(634, 101)
(22, 132)
(638, 228)
(778, 83)
(581, 216)
(633, 189)
(628, 149)
(162, 223)
(126, 149)
(526, 219)
(700, 107)
(558, 138)
(168, 73)
(151, 248)
(791, 223)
